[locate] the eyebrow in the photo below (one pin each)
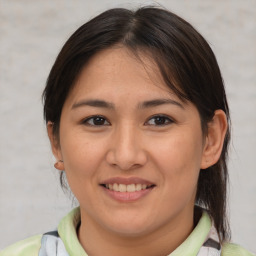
(93, 103)
(158, 102)
(146, 104)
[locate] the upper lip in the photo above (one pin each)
(126, 181)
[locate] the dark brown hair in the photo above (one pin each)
(186, 63)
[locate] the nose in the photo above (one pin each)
(126, 148)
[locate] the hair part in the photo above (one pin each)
(186, 63)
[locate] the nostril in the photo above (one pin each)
(126, 156)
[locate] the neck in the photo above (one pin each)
(160, 242)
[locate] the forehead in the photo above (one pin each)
(117, 70)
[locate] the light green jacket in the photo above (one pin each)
(67, 232)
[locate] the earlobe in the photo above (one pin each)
(55, 147)
(217, 129)
(59, 165)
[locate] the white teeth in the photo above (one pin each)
(138, 187)
(115, 187)
(122, 188)
(126, 188)
(130, 188)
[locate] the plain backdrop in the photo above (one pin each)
(31, 35)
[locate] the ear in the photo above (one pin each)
(214, 140)
(55, 147)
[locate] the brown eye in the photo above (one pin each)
(96, 121)
(159, 120)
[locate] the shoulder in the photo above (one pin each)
(230, 249)
(27, 247)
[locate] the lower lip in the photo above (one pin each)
(127, 196)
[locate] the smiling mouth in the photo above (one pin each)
(127, 188)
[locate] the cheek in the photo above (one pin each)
(81, 156)
(82, 160)
(178, 158)
(180, 150)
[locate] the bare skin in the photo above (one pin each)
(118, 125)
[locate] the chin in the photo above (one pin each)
(130, 228)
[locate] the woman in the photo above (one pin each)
(138, 120)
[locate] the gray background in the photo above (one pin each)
(31, 34)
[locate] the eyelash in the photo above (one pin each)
(164, 120)
(93, 119)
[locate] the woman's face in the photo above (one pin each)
(132, 150)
